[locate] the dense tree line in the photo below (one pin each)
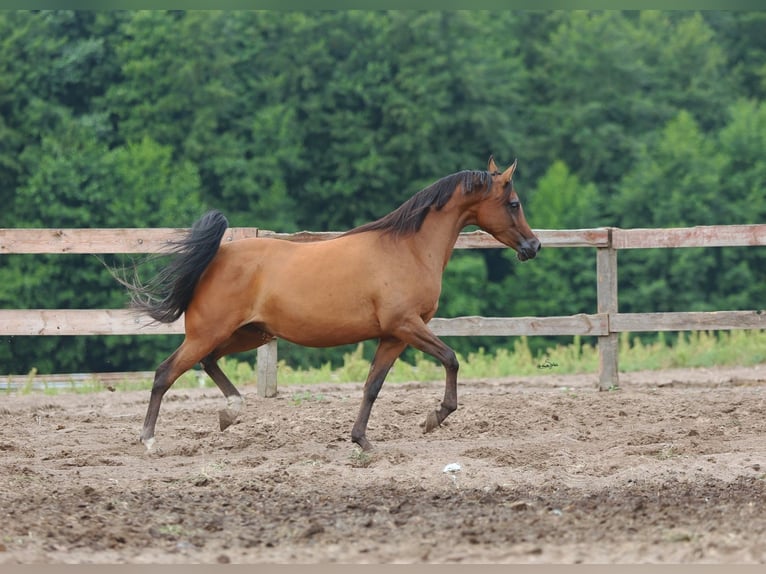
(325, 120)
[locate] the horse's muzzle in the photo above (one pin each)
(528, 249)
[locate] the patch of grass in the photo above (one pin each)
(306, 396)
(207, 473)
(78, 385)
(693, 349)
(361, 459)
(570, 392)
(688, 349)
(172, 530)
(678, 536)
(667, 452)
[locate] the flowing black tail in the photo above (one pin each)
(165, 297)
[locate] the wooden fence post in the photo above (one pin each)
(608, 345)
(266, 370)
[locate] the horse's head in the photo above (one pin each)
(500, 213)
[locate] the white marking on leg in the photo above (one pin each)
(235, 403)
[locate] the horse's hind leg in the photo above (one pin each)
(183, 359)
(387, 352)
(244, 339)
(234, 401)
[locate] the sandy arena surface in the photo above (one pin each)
(669, 468)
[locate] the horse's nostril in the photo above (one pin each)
(532, 246)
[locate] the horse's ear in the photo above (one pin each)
(491, 167)
(508, 173)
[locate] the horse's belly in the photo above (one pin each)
(313, 331)
(320, 318)
(309, 338)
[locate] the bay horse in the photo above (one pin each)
(381, 281)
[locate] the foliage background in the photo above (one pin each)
(325, 120)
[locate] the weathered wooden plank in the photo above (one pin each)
(81, 322)
(150, 240)
(124, 322)
(46, 322)
(477, 239)
(548, 237)
(701, 236)
(515, 326)
(153, 240)
(156, 240)
(688, 321)
(301, 236)
(37, 380)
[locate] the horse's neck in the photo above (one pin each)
(436, 238)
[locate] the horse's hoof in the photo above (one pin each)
(364, 444)
(148, 443)
(226, 418)
(431, 422)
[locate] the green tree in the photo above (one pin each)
(606, 82)
(675, 183)
(742, 271)
(558, 281)
(299, 113)
(327, 119)
(691, 178)
(52, 63)
(75, 181)
(740, 33)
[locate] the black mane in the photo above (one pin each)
(409, 216)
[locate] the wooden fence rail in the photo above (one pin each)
(606, 323)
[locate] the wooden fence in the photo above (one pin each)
(606, 323)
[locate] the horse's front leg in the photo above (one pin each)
(449, 403)
(417, 334)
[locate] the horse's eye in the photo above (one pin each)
(514, 205)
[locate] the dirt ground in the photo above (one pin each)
(671, 467)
